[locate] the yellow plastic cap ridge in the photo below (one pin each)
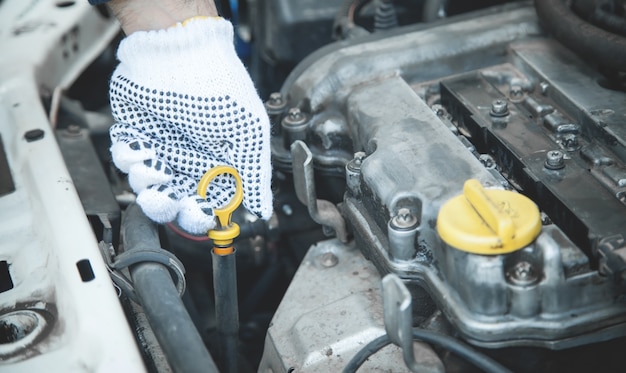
(488, 221)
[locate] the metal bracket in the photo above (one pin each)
(322, 211)
(116, 264)
(397, 312)
(612, 258)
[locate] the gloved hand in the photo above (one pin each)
(183, 103)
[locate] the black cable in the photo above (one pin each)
(370, 349)
(453, 345)
(385, 17)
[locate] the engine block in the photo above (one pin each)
(410, 116)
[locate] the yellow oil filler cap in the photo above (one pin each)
(488, 221)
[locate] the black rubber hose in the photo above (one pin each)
(600, 13)
(593, 43)
(385, 17)
(453, 345)
(610, 21)
(175, 331)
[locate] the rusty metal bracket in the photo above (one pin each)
(322, 211)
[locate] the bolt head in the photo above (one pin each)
(499, 108)
(276, 97)
(523, 270)
(554, 160)
(487, 161)
(328, 259)
(570, 141)
(275, 104)
(438, 110)
(295, 113)
(404, 214)
(359, 157)
(523, 273)
(404, 219)
(516, 91)
(73, 128)
(295, 118)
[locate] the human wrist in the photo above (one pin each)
(155, 55)
(148, 15)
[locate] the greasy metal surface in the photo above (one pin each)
(323, 82)
(377, 94)
(413, 160)
(329, 313)
(424, 54)
(572, 196)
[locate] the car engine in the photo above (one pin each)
(449, 181)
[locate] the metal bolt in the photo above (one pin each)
(487, 160)
(499, 108)
(329, 259)
(295, 114)
(295, 126)
(516, 92)
(570, 141)
(295, 120)
(359, 157)
(275, 104)
(543, 86)
(523, 270)
(72, 130)
(439, 110)
(523, 273)
(355, 163)
(554, 160)
(545, 219)
(404, 219)
(276, 98)
(353, 174)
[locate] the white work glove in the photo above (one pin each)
(183, 103)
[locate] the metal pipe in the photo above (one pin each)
(226, 310)
(167, 316)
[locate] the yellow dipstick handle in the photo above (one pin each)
(226, 231)
(497, 220)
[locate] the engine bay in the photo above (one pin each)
(448, 175)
